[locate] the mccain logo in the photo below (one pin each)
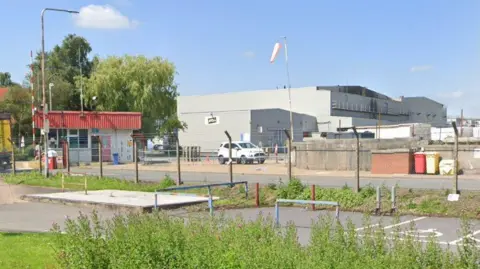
(212, 120)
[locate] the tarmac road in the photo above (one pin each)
(324, 181)
(39, 217)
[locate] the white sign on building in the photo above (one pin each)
(212, 120)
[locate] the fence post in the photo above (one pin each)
(289, 154)
(177, 148)
(455, 159)
(86, 185)
(135, 154)
(276, 153)
(68, 156)
(277, 215)
(313, 196)
(40, 156)
(379, 201)
(210, 201)
(14, 168)
(257, 194)
(246, 190)
(63, 182)
(394, 200)
(357, 168)
(337, 212)
(100, 155)
(230, 161)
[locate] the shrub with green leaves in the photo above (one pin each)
(166, 182)
(292, 190)
(345, 196)
(160, 241)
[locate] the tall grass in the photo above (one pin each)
(160, 241)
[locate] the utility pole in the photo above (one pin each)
(45, 109)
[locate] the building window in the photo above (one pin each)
(78, 138)
(53, 138)
(83, 138)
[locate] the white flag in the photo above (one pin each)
(276, 49)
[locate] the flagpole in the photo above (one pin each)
(289, 93)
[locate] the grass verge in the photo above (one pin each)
(409, 201)
(25, 250)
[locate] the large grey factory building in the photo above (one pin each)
(260, 116)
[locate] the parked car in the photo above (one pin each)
(242, 152)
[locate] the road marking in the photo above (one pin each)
(367, 227)
(414, 239)
(422, 233)
(471, 236)
(390, 226)
(403, 223)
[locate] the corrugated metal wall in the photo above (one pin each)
(89, 120)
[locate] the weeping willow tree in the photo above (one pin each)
(136, 84)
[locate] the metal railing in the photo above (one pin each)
(308, 202)
(208, 187)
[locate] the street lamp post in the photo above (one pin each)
(45, 110)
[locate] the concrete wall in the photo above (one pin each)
(263, 126)
(273, 122)
(413, 130)
(209, 137)
(339, 154)
(420, 107)
(357, 106)
(304, 100)
(468, 156)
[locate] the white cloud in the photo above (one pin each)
(421, 68)
(451, 95)
(249, 54)
(103, 17)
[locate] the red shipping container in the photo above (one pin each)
(420, 163)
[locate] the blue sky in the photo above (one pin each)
(411, 48)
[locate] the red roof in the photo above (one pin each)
(91, 120)
(3, 92)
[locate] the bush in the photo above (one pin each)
(345, 196)
(159, 241)
(292, 190)
(166, 182)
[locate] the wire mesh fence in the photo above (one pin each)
(209, 154)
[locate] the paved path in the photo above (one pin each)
(320, 180)
(39, 217)
(447, 231)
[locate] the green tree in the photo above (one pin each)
(5, 79)
(63, 65)
(136, 83)
(18, 102)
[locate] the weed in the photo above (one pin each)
(166, 182)
(292, 190)
(159, 241)
(272, 186)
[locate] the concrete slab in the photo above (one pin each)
(117, 199)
